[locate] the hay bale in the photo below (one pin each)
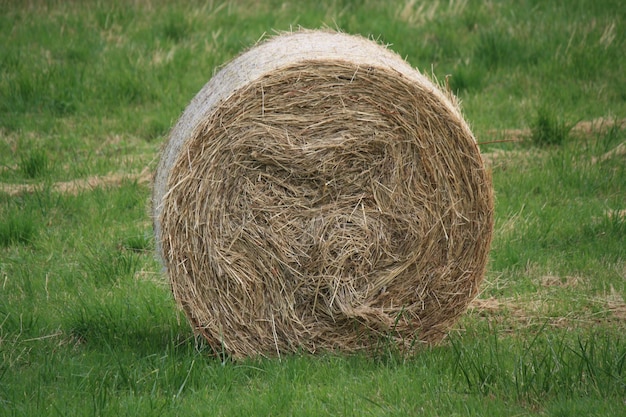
(318, 193)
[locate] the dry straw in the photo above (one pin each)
(319, 194)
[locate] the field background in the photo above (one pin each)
(88, 92)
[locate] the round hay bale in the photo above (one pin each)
(319, 193)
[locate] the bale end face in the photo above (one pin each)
(319, 193)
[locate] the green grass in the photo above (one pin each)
(547, 129)
(88, 325)
(17, 227)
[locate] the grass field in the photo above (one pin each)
(88, 326)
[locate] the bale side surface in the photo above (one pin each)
(322, 205)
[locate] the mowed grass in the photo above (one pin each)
(88, 326)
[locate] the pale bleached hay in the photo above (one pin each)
(319, 193)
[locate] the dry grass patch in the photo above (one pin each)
(77, 186)
(555, 305)
(584, 128)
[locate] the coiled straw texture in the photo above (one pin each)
(319, 194)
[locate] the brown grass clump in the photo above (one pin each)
(76, 186)
(319, 193)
